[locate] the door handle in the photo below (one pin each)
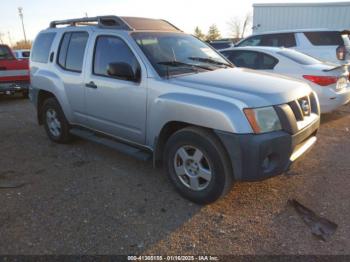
(91, 85)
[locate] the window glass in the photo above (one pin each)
(299, 58)
(5, 53)
(252, 41)
(111, 49)
(325, 38)
(221, 45)
(42, 46)
(62, 53)
(267, 62)
(278, 40)
(246, 59)
(26, 54)
(76, 50)
(176, 53)
(251, 59)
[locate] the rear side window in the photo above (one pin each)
(72, 50)
(324, 38)
(42, 46)
(5, 53)
(110, 49)
(251, 59)
(278, 40)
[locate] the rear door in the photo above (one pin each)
(116, 107)
(69, 64)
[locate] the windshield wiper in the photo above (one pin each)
(178, 63)
(209, 60)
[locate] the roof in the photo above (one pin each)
(298, 31)
(120, 23)
(302, 4)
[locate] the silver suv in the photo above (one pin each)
(145, 88)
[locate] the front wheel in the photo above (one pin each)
(56, 124)
(198, 165)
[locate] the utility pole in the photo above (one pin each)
(20, 13)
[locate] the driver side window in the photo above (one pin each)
(109, 50)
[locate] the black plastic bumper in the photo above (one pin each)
(256, 157)
(10, 88)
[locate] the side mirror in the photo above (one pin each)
(122, 71)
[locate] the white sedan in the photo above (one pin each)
(329, 81)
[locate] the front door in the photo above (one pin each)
(115, 106)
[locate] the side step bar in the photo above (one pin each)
(112, 143)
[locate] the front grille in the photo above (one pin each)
(304, 106)
(299, 113)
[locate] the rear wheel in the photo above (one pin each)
(198, 165)
(56, 124)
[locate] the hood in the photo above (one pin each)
(253, 88)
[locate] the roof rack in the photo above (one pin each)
(101, 21)
(122, 23)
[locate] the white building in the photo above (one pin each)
(272, 17)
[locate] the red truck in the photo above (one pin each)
(14, 74)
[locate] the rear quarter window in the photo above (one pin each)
(324, 38)
(42, 46)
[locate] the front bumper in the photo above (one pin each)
(259, 156)
(10, 88)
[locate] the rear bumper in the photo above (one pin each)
(335, 100)
(10, 88)
(257, 157)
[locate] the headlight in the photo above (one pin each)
(263, 119)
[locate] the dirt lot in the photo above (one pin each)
(87, 199)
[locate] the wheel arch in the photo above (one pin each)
(167, 131)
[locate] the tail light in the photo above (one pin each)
(341, 52)
(322, 80)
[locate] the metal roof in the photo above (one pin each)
(301, 4)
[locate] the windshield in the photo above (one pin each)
(299, 58)
(174, 54)
(5, 53)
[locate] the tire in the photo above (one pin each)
(204, 155)
(55, 123)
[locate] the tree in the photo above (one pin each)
(199, 34)
(238, 27)
(23, 45)
(213, 33)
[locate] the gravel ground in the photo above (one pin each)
(87, 199)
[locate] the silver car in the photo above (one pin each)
(145, 88)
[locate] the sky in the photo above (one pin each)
(185, 14)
